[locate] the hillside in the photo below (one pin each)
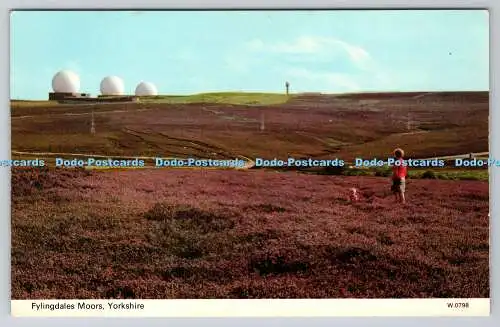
(323, 126)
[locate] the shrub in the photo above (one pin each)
(383, 172)
(357, 172)
(341, 170)
(429, 174)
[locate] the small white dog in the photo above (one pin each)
(354, 195)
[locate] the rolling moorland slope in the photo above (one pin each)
(322, 126)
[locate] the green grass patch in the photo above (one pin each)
(442, 174)
(476, 175)
(236, 98)
(32, 103)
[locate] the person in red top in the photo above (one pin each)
(399, 172)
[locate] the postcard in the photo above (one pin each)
(250, 163)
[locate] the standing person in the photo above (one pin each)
(399, 171)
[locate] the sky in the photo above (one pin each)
(187, 52)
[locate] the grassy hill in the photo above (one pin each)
(236, 98)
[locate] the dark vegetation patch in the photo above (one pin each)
(192, 274)
(33, 181)
(267, 208)
(282, 261)
(260, 237)
(350, 255)
(186, 231)
(125, 292)
(429, 174)
(190, 218)
(385, 239)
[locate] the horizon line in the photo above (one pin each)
(276, 93)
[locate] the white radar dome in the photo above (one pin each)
(112, 85)
(66, 81)
(146, 88)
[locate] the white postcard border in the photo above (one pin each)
(5, 5)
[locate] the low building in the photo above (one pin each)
(62, 96)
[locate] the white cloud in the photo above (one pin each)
(310, 63)
(322, 63)
(326, 81)
(316, 48)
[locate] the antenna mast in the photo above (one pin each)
(92, 125)
(262, 121)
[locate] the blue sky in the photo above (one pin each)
(193, 52)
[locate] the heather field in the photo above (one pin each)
(164, 234)
(257, 233)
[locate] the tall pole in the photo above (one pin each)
(92, 125)
(262, 120)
